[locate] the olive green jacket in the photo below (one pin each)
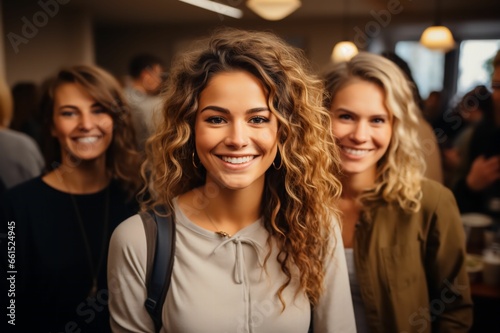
(411, 267)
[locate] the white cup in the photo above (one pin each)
(491, 268)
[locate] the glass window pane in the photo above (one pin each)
(474, 67)
(427, 66)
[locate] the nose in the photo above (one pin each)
(360, 132)
(86, 122)
(237, 135)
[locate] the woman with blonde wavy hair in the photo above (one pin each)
(245, 161)
(404, 240)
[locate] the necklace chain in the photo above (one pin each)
(94, 269)
(221, 233)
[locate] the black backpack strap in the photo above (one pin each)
(160, 261)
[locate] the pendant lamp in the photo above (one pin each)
(344, 50)
(437, 37)
(273, 10)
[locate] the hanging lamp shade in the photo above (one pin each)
(437, 37)
(344, 51)
(273, 10)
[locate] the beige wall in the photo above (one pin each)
(37, 42)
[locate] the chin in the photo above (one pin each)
(353, 170)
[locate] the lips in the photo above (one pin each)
(237, 160)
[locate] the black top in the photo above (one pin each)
(53, 278)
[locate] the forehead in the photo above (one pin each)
(71, 91)
(360, 95)
(235, 85)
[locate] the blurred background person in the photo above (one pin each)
(470, 110)
(26, 116)
(433, 107)
(142, 93)
(479, 190)
(20, 157)
(64, 219)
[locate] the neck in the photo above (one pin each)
(86, 177)
(355, 184)
(233, 209)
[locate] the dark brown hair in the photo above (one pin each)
(122, 158)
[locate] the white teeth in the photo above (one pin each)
(88, 139)
(357, 152)
(237, 160)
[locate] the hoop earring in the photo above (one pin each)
(281, 162)
(192, 160)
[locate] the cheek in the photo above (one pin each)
(59, 129)
(269, 139)
(106, 123)
(337, 130)
(385, 138)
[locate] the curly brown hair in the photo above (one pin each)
(122, 158)
(299, 200)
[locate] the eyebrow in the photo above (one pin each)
(69, 106)
(224, 110)
(354, 114)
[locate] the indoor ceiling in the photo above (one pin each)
(174, 11)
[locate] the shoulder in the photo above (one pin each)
(27, 189)
(27, 197)
(18, 139)
(432, 190)
(130, 232)
(435, 195)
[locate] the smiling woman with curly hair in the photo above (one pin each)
(245, 160)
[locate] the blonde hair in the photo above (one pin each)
(5, 104)
(400, 170)
(298, 204)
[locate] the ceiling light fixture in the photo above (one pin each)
(344, 50)
(437, 37)
(216, 7)
(273, 10)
